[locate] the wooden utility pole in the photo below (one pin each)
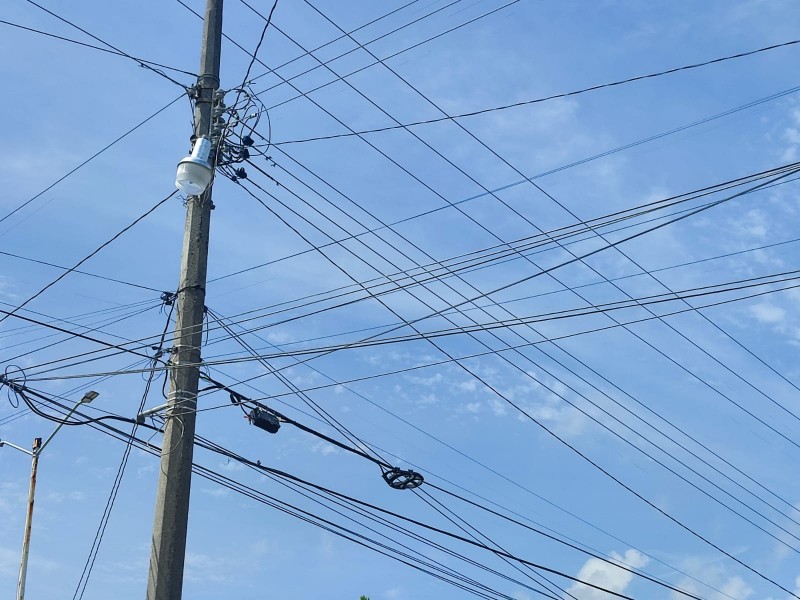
(26, 540)
(168, 550)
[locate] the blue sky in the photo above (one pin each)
(693, 415)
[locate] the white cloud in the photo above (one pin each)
(753, 223)
(218, 492)
(58, 497)
(737, 588)
(607, 576)
(427, 381)
(9, 561)
(713, 574)
(499, 408)
(204, 568)
(792, 135)
(324, 448)
(468, 386)
(768, 313)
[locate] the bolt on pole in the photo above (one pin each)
(168, 550)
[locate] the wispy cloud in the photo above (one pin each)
(605, 575)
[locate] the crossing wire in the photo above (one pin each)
(535, 100)
(386, 156)
(601, 236)
(88, 256)
(484, 382)
(99, 424)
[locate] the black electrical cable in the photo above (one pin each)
(321, 412)
(88, 256)
(93, 327)
(70, 320)
(285, 475)
(579, 227)
(395, 162)
(603, 238)
(333, 41)
(520, 299)
(119, 434)
(310, 493)
(88, 566)
(105, 43)
(516, 483)
(416, 45)
(465, 527)
(500, 200)
(95, 275)
(260, 41)
(590, 266)
(515, 405)
(693, 470)
(539, 100)
(91, 158)
(320, 351)
(398, 165)
(588, 254)
(573, 215)
(100, 48)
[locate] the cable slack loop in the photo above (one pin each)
(403, 479)
(270, 420)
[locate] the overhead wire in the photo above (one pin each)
(141, 61)
(562, 232)
(88, 256)
(501, 395)
(624, 439)
(119, 434)
(79, 272)
(88, 567)
(602, 237)
(90, 159)
(373, 341)
(577, 92)
(394, 162)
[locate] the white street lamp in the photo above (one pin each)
(194, 171)
(34, 453)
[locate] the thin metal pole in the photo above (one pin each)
(26, 540)
(168, 550)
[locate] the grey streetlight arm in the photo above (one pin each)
(20, 448)
(88, 397)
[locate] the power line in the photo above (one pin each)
(543, 99)
(141, 61)
(90, 159)
(502, 396)
(520, 215)
(683, 478)
(88, 256)
(79, 272)
(564, 232)
(119, 434)
(373, 341)
(88, 566)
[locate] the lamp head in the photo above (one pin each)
(194, 172)
(89, 396)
